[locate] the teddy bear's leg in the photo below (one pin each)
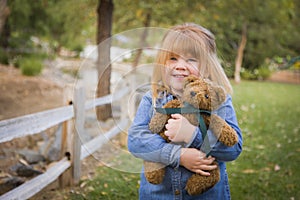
(197, 184)
(154, 172)
(225, 133)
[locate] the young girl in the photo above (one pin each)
(187, 49)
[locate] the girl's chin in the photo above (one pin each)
(176, 87)
(177, 81)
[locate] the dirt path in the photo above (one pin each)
(22, 95)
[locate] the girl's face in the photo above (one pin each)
(179, 67)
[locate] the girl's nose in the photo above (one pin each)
(181, 64)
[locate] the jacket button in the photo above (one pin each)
(177, 192)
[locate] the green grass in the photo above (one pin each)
(268, 115)
(118, 180)
(109, 184)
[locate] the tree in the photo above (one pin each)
(59, 23)
(240, 53)
(104, 27)
(142, 39)
(270, 30)
(4, 12)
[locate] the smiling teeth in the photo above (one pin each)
(180, 76)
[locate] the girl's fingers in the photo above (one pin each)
(206, 161)
(208, 167)
(204, 166)
(166, 133)
(176, 116)
(204, 169)
(201, 172)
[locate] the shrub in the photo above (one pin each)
(247, 74)
(3, 57)
(30, 66)
(263, 73)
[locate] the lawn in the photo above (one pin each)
(268, 115)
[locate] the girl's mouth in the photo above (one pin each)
(179, 75)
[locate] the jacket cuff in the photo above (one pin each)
(171, 155)
(196, 140)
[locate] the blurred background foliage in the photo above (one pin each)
(48, 26)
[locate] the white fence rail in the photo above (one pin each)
(33, 186)
(35, 123)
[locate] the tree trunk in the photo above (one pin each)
(240, 54)
(4, 12)
(142, 40)
(104, 11)
(4, 27)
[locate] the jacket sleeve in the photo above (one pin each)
(219, 150)
(144, 144)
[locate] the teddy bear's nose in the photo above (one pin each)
(193, 93)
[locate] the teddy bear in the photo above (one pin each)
(200, 95)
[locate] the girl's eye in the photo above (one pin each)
(173, 58)
(191, 60)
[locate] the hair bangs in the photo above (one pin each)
(178, 43)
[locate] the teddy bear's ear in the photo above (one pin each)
(189, 79)
(219, 96)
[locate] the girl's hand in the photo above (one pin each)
(179, 129)
(196, 161)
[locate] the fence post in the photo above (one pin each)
(65, 136)
(122, 136)
(65, 150)
(79, 112)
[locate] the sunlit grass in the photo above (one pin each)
(268, 115)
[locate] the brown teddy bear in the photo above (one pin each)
(199, 95)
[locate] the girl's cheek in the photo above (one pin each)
(194, 71)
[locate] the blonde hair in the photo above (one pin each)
(197, 41)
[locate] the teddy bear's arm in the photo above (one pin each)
(225, 133)
(158, 122)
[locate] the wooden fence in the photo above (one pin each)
(38, 122)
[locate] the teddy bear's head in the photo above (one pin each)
(202, 94)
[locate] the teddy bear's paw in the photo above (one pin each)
(155, 177)
(154, 172)
(229, 136)
(198, 184)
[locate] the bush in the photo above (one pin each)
(247, 74)
(3, 57)
(262, 73)
(30, 66)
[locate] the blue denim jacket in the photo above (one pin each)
(143, 144)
